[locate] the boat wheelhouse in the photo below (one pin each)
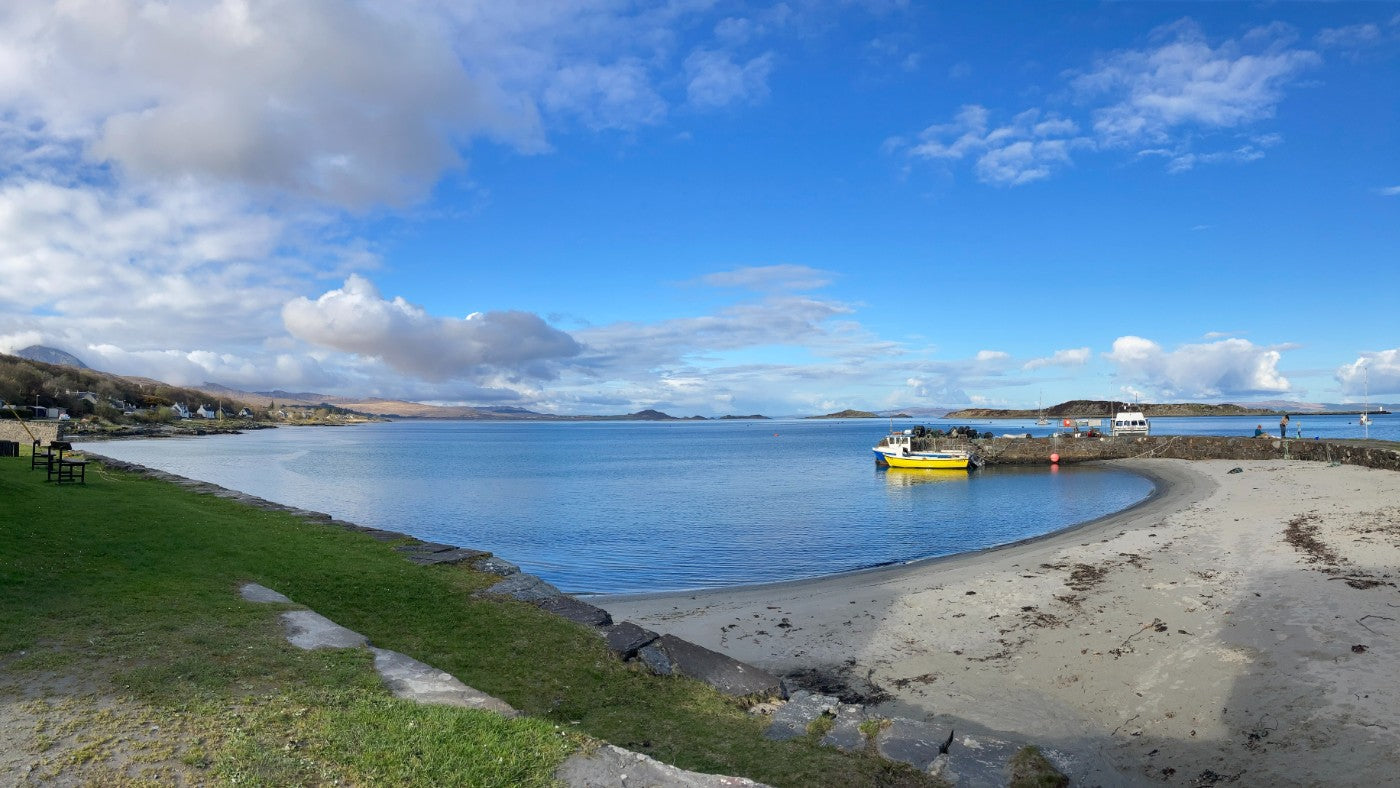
(1131, 422)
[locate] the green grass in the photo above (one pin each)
(135, 581)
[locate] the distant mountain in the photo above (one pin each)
(856, 414)
(51, 355)
(1092, 408)
(915, 413)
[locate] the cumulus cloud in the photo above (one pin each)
(1073, 357)
(341, 102)
(1229, 367)
(1371, 374)
(356, 319)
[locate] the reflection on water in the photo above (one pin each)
(908, 477)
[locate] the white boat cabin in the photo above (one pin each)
(1130, 423)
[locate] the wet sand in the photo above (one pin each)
(1234, 625)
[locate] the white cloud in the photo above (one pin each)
(1376, 374)
(1228, 367)
(1073, 357)
(992, 355)
(1187, 82)
(1389, 191)
(736, 31)
(1351, 37)
(714, 79)
(768, 278)
(778, 320)
(1164, 100)
(334, 101)
(1028, 149)
(617, 96)
(356, 319)
(190, 261)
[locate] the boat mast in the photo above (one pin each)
(1366, 403)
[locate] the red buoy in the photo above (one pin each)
(1055, 458)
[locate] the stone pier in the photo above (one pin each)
(1036, 451)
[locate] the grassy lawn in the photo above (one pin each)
(127, 656)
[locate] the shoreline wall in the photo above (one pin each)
(46, 431)
(1037, 451)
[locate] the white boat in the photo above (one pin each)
(1042, 421)
(896, 450)
(1365, 420)
(1131, 422)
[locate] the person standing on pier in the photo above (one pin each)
(1283, 426)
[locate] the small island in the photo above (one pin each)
(858, 414)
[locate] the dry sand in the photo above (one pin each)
(1237, 627)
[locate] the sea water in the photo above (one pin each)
(618, 507)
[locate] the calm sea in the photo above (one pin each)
(616, 507)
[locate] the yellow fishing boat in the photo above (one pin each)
(896, 450)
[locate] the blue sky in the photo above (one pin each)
(709, 207)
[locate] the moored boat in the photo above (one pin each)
(1131, 422)
(896, 450)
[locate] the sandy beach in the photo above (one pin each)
(1236, 627)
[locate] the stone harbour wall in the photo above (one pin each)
(1036, 451)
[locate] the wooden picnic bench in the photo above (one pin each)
(62, 469)
(42, 456)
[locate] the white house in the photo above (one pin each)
(205, 412)
(180, 410)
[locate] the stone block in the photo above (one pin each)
(307, 629)
(256, 593)
(496, 566)
(656, 659)
(433, 553)
(608, 766)
(626, 638)
(523, 587)
(846, 734)
(910, 741)
(724, 673)
(410, 679)
(576, 610)
(791, 719)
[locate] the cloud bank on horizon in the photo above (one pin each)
(597, 207)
